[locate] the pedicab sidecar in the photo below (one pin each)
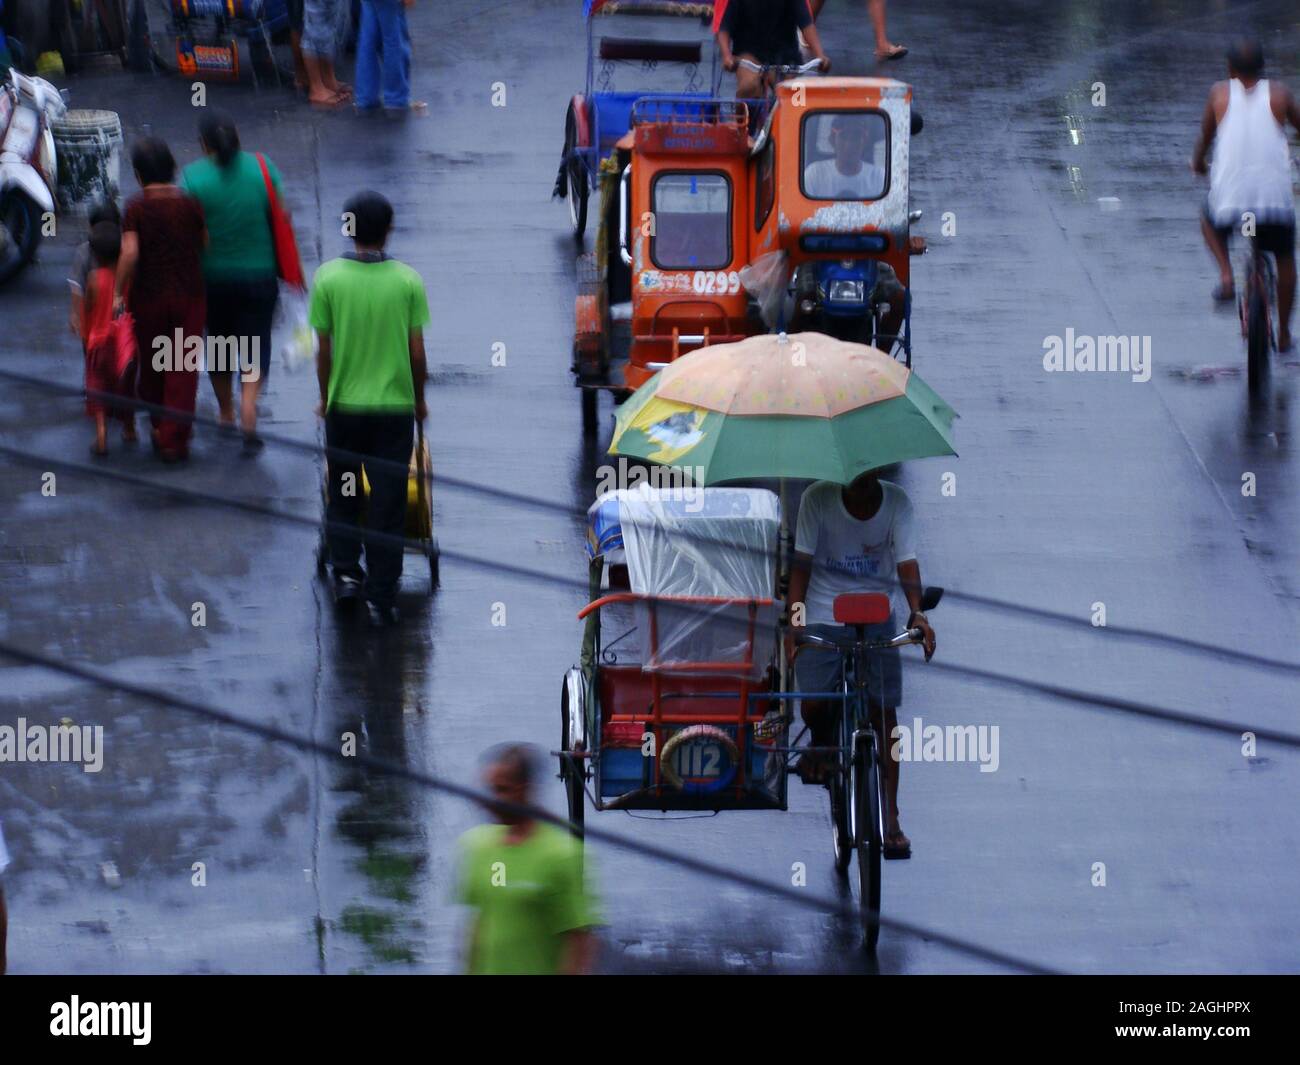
(602, 113)
(669, 708)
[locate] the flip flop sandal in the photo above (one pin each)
(895, 851)
(1223, 293)
(896, 51)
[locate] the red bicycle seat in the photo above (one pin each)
(861, 608)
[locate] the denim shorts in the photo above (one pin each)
(819, 669)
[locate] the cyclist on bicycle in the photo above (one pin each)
(1250, 179)
(765, 32)
(854, 539)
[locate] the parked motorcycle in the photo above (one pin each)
(28, 167)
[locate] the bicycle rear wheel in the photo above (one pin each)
(1259, 339)
(868, 834)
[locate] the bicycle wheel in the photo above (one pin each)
(1258, 338)
(571, 769)
(578, 189)
(841, 797)
(868, 833)
(841, 831)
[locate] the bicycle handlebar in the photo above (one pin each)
(903, 639)
(784, 69)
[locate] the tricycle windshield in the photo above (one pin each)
(692, 221)
(845, 155)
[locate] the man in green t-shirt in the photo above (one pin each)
(524, 878)
(369, 312)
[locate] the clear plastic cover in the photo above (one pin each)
(711, 542)
(767, 279)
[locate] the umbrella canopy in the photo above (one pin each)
(772, 406)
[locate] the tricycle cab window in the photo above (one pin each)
(692, 221)
(845, 155)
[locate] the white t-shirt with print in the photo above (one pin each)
(851, 555)
(823, 179)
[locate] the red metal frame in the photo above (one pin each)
(740, 718)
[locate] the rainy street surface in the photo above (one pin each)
(1073, 492)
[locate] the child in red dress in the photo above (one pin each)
(97, 335)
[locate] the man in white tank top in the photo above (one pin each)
(1250, 179)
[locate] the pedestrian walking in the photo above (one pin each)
(83, 262)
(239, 264)
(384, 56)
(325, 26)
(97, 337)
(885, 49)
(369, 313)
(524, 879)
(160, 281)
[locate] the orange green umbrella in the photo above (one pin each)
(802, 405)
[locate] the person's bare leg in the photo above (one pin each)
(221, 388)
(1285, 299)
(1219, 249)
(884, 48)
(300, 78)
(819, 716)
(815, 6)
(248, 393)
(320, 76)
(889, 769)
(101, 433)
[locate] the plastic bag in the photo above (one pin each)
(766, 279)
(291, 333)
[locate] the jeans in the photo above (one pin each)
(383, 29)
(383, 436)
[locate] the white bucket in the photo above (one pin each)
(88, 144)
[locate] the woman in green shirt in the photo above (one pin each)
(239, 265)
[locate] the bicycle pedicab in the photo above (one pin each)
(694, 714)
(601, 115)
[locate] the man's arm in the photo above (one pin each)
(800, 572)
(324, 366)
(1290, 108)
(1209, 123)
(419, 372)
(126, 262)
(909, 576)
(724, 50)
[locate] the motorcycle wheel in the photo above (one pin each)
(21, 219)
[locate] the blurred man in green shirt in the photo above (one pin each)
(369, 312)
(524, 878)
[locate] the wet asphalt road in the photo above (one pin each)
(1071, 490)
